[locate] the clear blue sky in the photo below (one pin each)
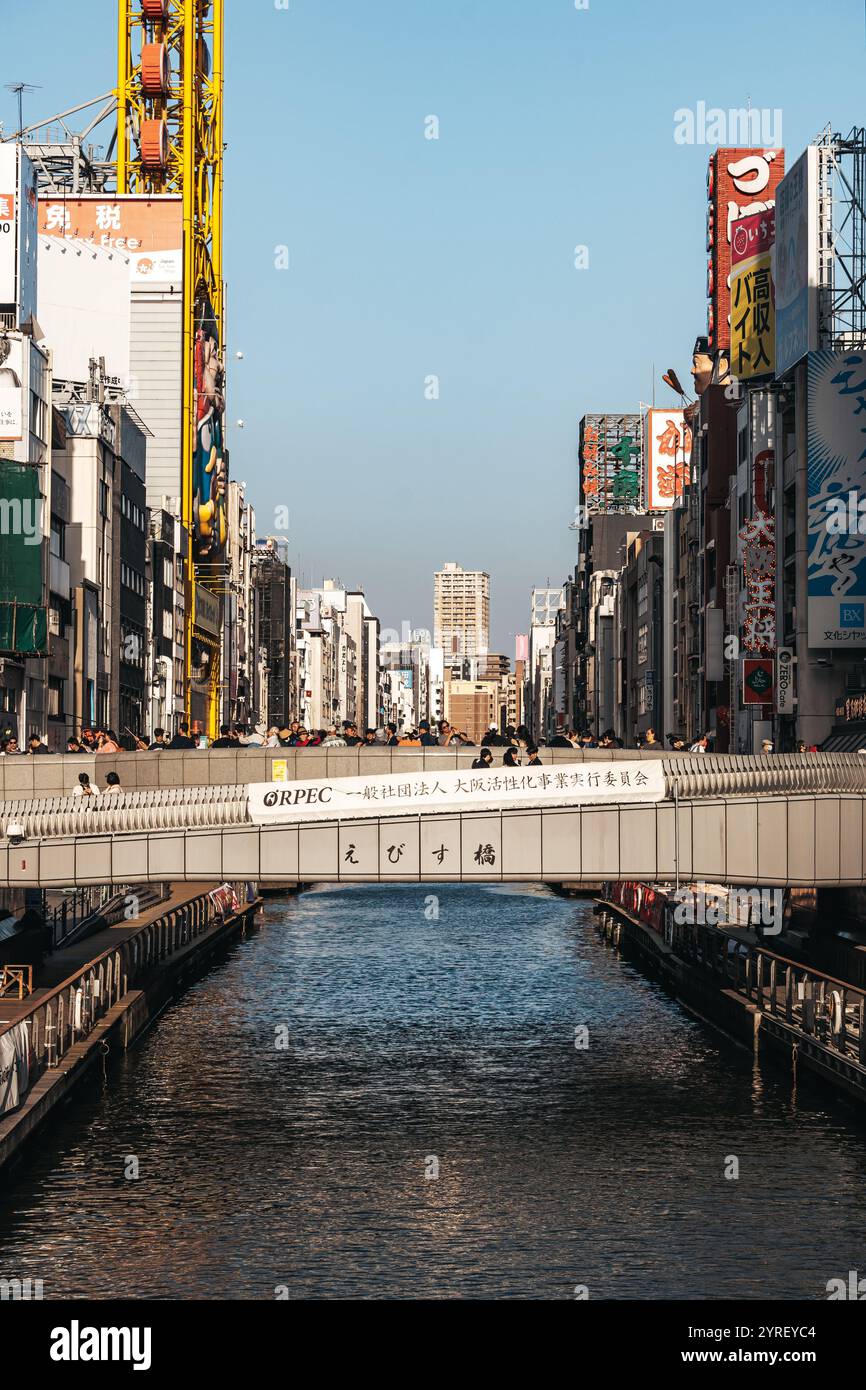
(412, 257)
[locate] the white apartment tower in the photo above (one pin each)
(461, 612)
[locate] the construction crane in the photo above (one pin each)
(170, 140)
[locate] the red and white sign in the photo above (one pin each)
(147, 228)
(739, 182)
(668, 452)
(8, 240)
(752, 236)
(758, 680)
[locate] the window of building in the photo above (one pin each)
(37, 416)
(104, 497)
(58, 537)
(59, 616)
(56, 704)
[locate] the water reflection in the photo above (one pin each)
(409, 1039)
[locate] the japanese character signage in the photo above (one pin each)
(148, 229)
(18, 242)
(753, 308)
(836, 548)
(8, 201)
(740, 182)
(669, 455)
(758, 546)
(417, 793)
(854, 708)
(610, 463)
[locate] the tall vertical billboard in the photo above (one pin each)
(18, 239)
(797, 262)
(836, 405)
(210, 465)
(740, 182)
(668, 453)
(753, 308)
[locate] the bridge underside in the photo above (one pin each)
(774, 841)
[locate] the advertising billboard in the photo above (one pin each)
(668, 453)
(84, 308)
(758, 680)
(797, 262)
(209, 462)
(8, 223)
(149, 229)
(753, 309)
(740, 182)
(207, 611)
(836, 464)
(757, 544)
(610, 463)
(11, 391)
(18, 204)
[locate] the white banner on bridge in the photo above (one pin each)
(502, 788)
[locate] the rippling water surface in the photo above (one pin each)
(286, 1111)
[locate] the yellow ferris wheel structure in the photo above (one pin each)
(170, 140)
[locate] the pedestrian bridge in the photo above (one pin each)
(789, 820)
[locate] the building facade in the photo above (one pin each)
(461, 612)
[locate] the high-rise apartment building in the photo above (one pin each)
(276, 629)
(546, 603)
(461, 613)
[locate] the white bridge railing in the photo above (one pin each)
(690, 777)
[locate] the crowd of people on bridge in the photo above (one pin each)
(516, 742)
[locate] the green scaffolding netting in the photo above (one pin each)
(23, 629)
(23, 617)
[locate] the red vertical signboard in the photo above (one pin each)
(739, 182)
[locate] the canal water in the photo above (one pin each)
(288, 1116)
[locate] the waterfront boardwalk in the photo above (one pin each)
(735, 981)
(99, 995)
(68, 962)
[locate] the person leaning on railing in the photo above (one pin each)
(85, 788)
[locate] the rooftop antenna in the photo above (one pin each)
(18, 89)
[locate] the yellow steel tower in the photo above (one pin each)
(170, 140)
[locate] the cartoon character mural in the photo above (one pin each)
(209, 477)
